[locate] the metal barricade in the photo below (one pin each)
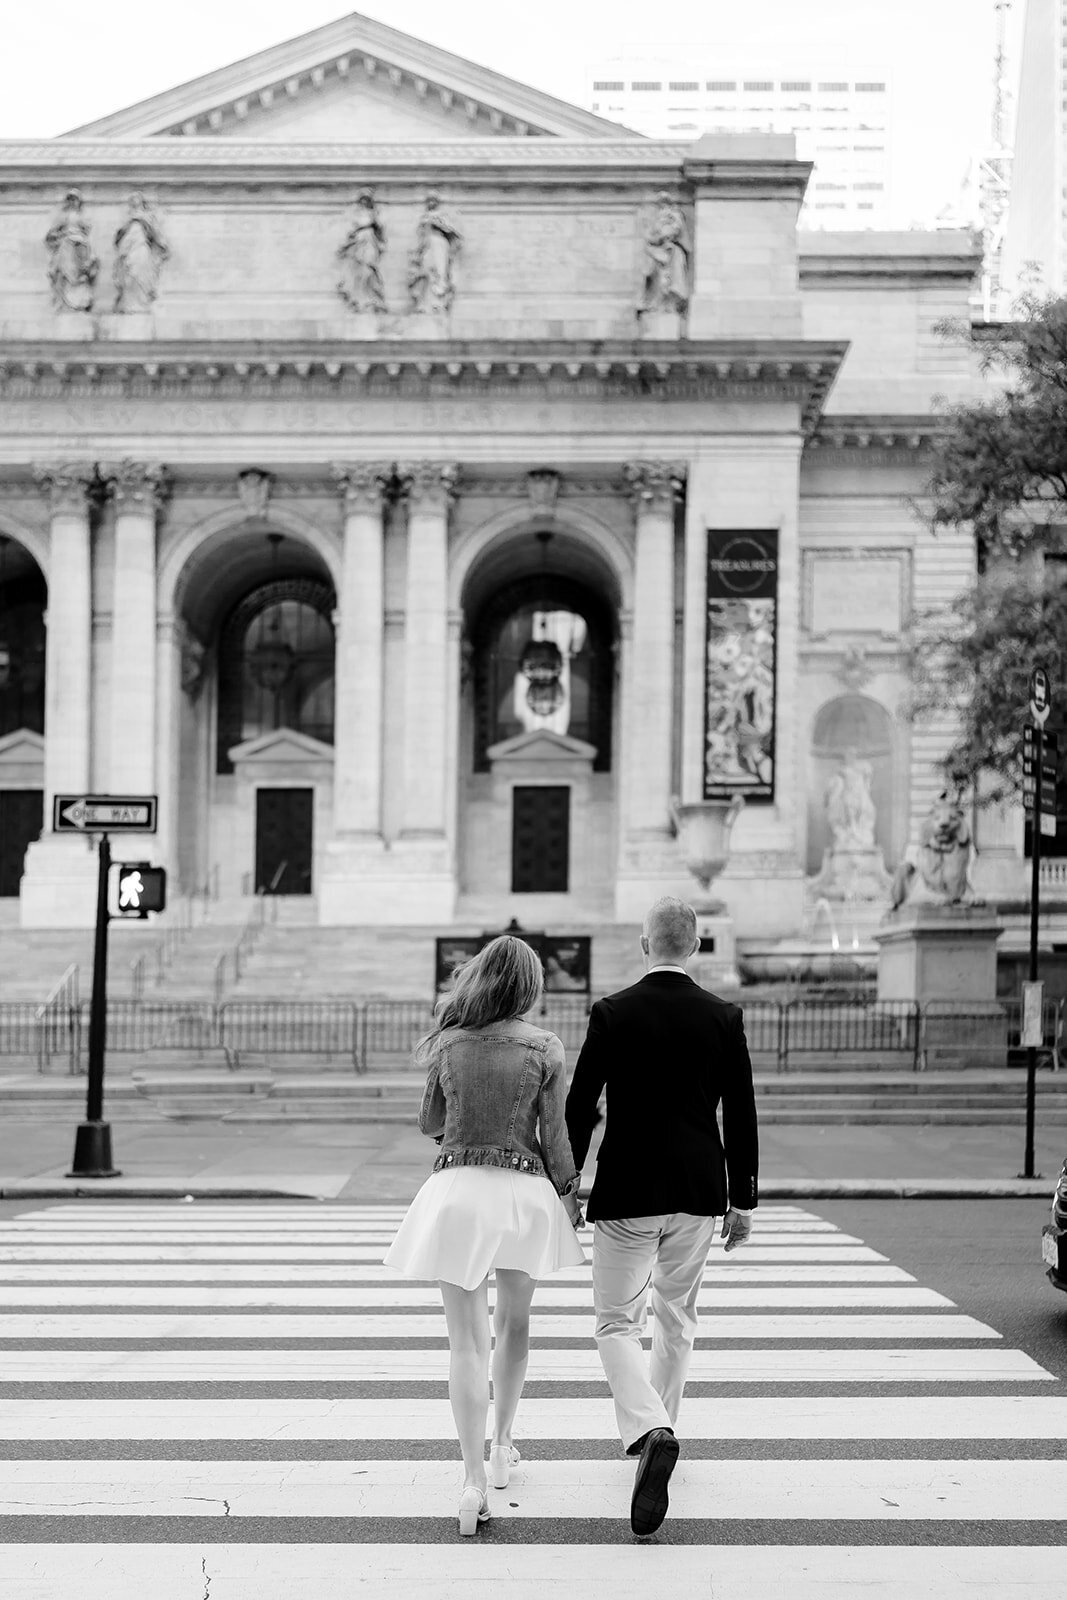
(290, 1027)
(59, 1024)
(823, 1027)
(985, 1033)
(136, 1028)
(565, 1015)
(394, 1027)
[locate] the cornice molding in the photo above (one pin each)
(133, 161)
(794, 370)
(869, 434)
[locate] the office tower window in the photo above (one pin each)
(758, 86)
(644, 85)
(608, 86)
(714, 87)
(685, 88)
(870, 88)
(791, 86)
(833, 88)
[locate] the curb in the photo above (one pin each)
(1038, 1188)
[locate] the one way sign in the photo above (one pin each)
(104, 813)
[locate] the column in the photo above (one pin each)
(654, 487)
(429, 489)
(58, 889)
(136, 489)
(360, 638)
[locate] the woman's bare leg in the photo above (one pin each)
(511, 1323)
(467, 1316)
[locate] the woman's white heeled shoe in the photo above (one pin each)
(473, 1508)
(502, 1457)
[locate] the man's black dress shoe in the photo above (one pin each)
(659, 1455)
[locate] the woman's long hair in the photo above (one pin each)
(505, 979)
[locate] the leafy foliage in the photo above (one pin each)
(1001, 470)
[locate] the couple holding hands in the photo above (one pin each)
(503, 1195)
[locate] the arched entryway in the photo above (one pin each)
(23, 606)
(538, 727)
(254, 764)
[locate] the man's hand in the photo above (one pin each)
(735, 1229)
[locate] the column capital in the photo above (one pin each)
(429, 485)
(67, 484)
(135, 483)
(363, 484)
(654, 485)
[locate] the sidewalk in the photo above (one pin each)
(388, 1161)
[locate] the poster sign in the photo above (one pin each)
(740, 664)
(566, 959)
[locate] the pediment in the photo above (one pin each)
(352, 81)
(21, 748)
(282, 744)
(541, 744)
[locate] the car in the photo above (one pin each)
(1054, 1236)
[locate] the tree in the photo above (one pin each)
(1001, 470)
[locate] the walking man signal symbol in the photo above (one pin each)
(141, 888)
(131, 888)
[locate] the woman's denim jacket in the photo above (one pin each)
(488, 1098)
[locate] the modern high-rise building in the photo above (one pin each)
(841, 118)
(1035, 238)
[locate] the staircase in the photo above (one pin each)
(33, 960)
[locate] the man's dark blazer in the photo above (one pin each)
(668, 1053)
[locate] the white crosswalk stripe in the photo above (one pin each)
(220, 1400)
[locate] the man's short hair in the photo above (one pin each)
(671, 928)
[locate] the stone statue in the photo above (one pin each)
(72, 267)
(140, 251)
(849, 806)
(431, 284)
(667, 255)
(360, 285)
(937, 869)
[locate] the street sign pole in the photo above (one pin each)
(1035, 901)
(92, 1142)
(1040, 707)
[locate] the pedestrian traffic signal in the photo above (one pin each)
(141, 888)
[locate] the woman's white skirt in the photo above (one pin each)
(465, 1221)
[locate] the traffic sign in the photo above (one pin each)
(140, 888)
(1040, 696)
(1048, 823)
(104, 813)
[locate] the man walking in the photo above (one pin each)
(668, 1053)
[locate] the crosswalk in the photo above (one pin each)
(238, 1402)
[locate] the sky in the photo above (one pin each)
(67, 63)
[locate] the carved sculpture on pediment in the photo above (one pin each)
(193, 662)
(542, 490)
(253, 491)
(360, 284)
(72, 266)
(431, 274)
(668, 251)
(140, 251)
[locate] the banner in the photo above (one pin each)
(740, 663)
(567, 958)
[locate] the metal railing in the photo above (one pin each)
(291, 1027)
(790, 1034)
(58, 1023)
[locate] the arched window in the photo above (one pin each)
(543, 658)
(22, 608)
(276, 665)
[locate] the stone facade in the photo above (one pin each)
(413, 455)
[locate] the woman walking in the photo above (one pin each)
(503, 1195)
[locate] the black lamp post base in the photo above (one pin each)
(92, 1152)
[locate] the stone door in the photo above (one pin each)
(540, 839)
(284, 839)
(21, 811)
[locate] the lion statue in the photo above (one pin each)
(936, 870)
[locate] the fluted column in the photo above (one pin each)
(136, 489)
(68, 658)
(58, 884)
(360, 640)
(429, 486)
(649, 715)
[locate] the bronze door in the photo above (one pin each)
(284, 829)
(21, 813)
(540, 839)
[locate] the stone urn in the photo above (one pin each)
(703, 828)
